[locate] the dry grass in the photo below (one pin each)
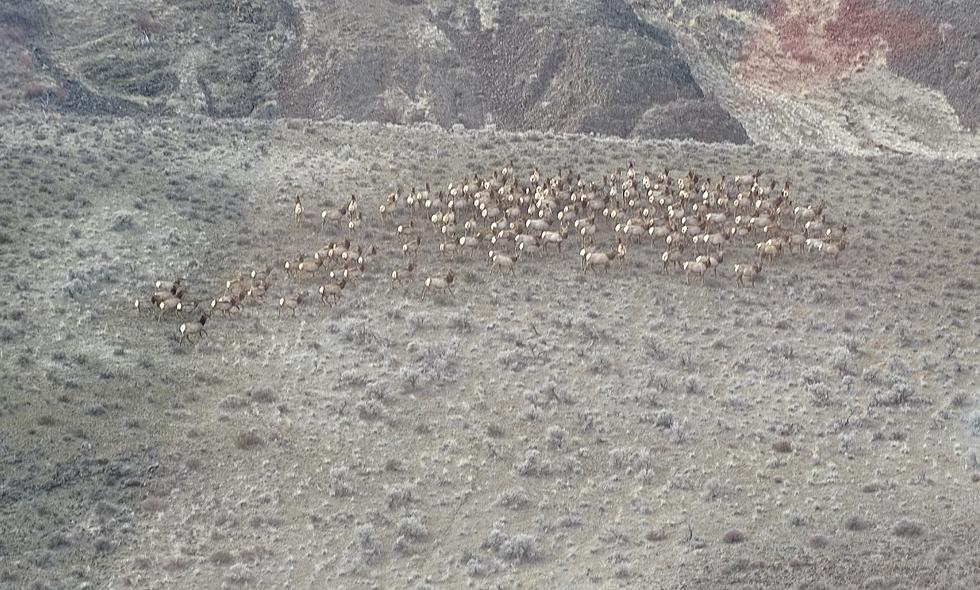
(597, 418)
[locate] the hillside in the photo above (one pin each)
(818, 429)
(474, 405)
(854, 75)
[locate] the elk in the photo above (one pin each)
(298, 211)
(439, 284)
(188, 329)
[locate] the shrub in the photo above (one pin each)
(248, 440)
(974, 422)
(856, 523)
(840, 359)
(368, 545)
(45, 93)
(340, 482)
(782, 446)
(664, 419)
(399, 496)
(520, 548)
(693, 385)
(901, 393)
(556, 437)
(907, 528)
(412, 527)
(818, 541)
(122, 220)
(262, 395)
(513, 498)
(820, 393)
(532, 464)
(655, 535)
(25, 15)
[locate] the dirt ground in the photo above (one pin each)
(820, 430)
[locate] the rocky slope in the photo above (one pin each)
(574, 67)
(853, 75)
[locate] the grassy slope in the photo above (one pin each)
(439, 416)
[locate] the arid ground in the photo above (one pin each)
(546, 429)
(820, 430)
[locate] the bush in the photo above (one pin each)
(513, 498)
(25, 15)
(122, 220)
(412, 527)
(46, 93)
(820, 393)
(249, 440)
(840, 359)
(782, 446)
(664, 419)
(907, 528)
(532, 464)
(369, 546)
(900, 394)
(856, 523)
(399, 496)
(634, 460)
(262, 395)
(693, 385)
(974, 422)
(519, 548)
(340, 482)
(556, 437)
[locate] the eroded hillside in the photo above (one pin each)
(852, 75)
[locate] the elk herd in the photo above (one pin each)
(688, 223)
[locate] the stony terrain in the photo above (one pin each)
(858, 76)
(820, 430)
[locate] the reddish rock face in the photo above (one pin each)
(814, 42)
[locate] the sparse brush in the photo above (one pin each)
(693, 385)
(840, 359)
(633, 460)
(907, 528)
(531, 464)
(261, 395)
(520, 548)
(495, 430)
(815, 375)
(818, 542)
(412, 527)
(782, 446)
(556, 437)
(249, 440)
(513, 498)
(856, 524)
(367, 544)
(900, 394)
(820, 393)
(655, 535)
(973, 422)
(714, 489)
(340, 482)
(399, 496)
(370, 410)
